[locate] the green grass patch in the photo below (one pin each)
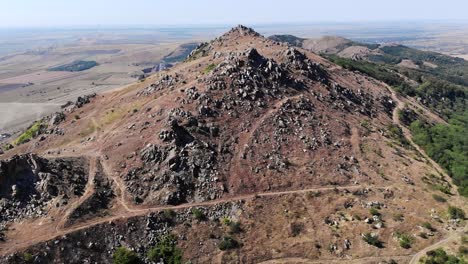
(30, 133)
(209, 68)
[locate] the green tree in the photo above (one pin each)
(456, 213)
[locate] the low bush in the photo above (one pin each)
(422, 235)
(28, 257)
(168, 216)
(439, 256)
(428, 226)
(166, 251)
(374, 211)
(404, 240)
(372, 239)
(125, 256)
(456, 213)
(228, 243)
(198, 214)
(439, 198)
(234, 227)
(296, 229)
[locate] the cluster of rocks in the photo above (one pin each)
(183, 166)
(349, 165)
(248, 75)
(79, 102)
(298, 62)
(388, 104)
(242, 31)
(350, 101)
(98, 243)
(56, 118)
(29, 183)
(4, 136)
(165, 82)
(244, 84)
(201, 50)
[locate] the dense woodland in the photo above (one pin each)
(443, 89)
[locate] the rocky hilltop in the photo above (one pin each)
(251, 151)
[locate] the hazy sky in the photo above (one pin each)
(26, 13)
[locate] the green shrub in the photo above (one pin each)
(166, 250)
(428, 226)
(404, 240)
(198, 214)
(28, 257)
(372, 239)
(442, 188)
(396, 133)
(439, 256)
(463, 250)
(439, 198)
(312, 194)
(456, 213)
(226, 220)
(374, 211)
(234, 227)
(228, 243)
(125, 256)
(7, 146)
(168, 216)
(365, 124)
(296, 229)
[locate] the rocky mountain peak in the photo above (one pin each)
(245, 128)
(243, 31)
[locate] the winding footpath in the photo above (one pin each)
(452, 236)
(131, 211)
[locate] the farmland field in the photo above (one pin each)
(123, 54)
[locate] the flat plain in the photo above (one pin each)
(28, 90)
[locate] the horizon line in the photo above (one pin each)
(227, 24)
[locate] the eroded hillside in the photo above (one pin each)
(250, 151)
